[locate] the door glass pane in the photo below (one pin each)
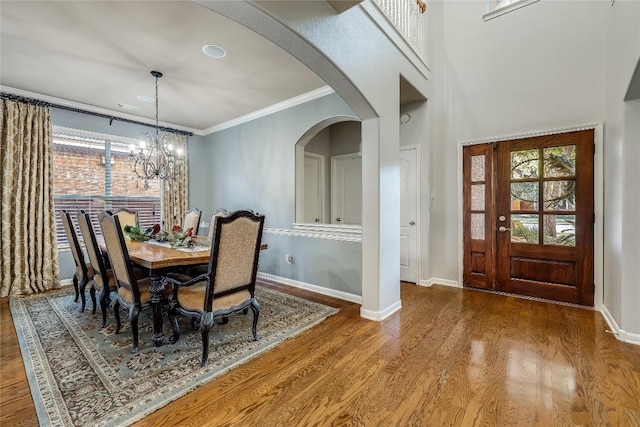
(477, 168)
(477, 226)
(524, 164)
(560, 195)
(560, 230)
(524, 228)
(477, 197)
(560, 161)
(524, 196)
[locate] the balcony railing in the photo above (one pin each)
(407, 16)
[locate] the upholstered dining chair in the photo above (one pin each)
(102, 278)
(127, 217)
(132, 293)
(192, 220)
(83, 272)
(228, 286)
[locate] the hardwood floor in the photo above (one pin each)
(449, 357)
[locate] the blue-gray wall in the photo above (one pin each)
(252, 166)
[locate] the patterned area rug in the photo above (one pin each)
(82, 375)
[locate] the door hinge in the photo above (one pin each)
(594, 149)
(594, 218)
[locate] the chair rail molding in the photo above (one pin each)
(343, 233)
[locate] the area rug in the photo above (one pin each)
(82, 375)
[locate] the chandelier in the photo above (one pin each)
(156, 157)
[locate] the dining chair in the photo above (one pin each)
(228, 286)
(133, 293)
(127, 217)
(83, 270)
(102, 279)
(192, 220)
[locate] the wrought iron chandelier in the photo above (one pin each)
(156, 157)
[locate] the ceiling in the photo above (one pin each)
(100, 54)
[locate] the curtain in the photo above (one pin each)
(174, 193)
(28, 235)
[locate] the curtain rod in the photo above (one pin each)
(33, 101)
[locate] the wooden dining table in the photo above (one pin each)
(158, 261)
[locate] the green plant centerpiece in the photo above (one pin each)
(176, 237)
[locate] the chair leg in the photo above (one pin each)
(134, 312)
(92, 293)
(104, 302)
(83, 285)
(255, 307)
(75, 286)
(205, 327)
(116, 313)
(174, 323)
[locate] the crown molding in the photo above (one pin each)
(291, 102)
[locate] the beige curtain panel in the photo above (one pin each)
(174, 194)
(28, 239)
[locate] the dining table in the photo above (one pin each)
(158, 260)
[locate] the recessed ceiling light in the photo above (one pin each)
(145, 98)
(127, 106)
(213, 51)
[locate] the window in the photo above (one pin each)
(92, 172)
(500, 7)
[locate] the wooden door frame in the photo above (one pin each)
(598, 169)
(418, 216)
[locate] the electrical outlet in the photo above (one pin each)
(288, 258)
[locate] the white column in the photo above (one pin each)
(380, 217)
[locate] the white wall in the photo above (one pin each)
(622, 175)
(539, 67)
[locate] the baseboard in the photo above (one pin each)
(312, 288)
(379, 316)
(445, 282)
(66, 282)
(620, 334)
(425, 283)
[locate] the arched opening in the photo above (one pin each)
(320, 152)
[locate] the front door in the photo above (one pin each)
(538, 216)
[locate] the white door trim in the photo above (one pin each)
(418, 212)
(598, 169)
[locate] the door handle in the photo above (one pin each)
(338, 219)
(412, 223)
(502, 229)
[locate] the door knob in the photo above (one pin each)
(338, 219)
(502, 229)
(412, 223)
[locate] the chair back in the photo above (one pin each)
(212, 224)
(72, 237)
(233, 264)
(118, 253)
(192, 220)
(127, 217)
(93, 250)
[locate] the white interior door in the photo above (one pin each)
(313, 188)
(408, 215)
(346, 189)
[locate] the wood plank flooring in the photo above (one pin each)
(450, 357)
